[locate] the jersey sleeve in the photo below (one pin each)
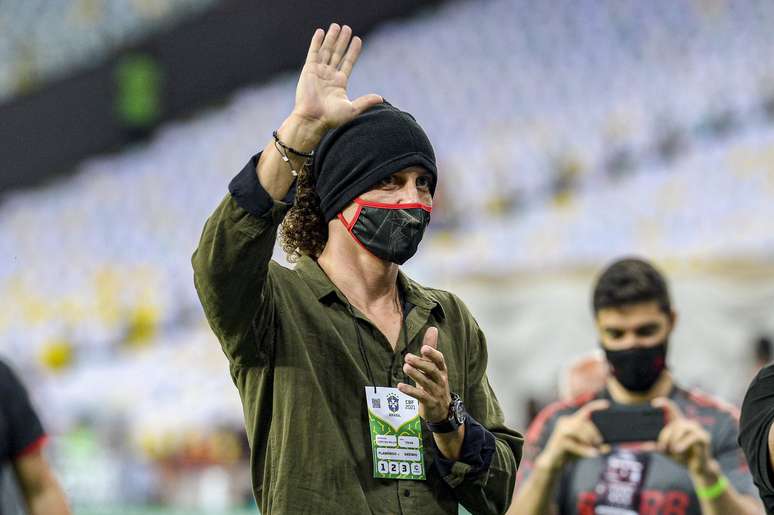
(535, 441)
(24, 430)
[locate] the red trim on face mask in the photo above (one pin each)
(350, 226)
(413, 205)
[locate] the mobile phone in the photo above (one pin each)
(619, 423)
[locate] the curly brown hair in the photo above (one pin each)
(304, 231)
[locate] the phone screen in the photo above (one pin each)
(629, 423)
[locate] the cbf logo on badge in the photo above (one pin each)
(393, 404)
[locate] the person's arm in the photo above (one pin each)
(232, 260)
(25, 439)
(479, 460)
(730, 500)
(39, 486)
(688, 443)
(573, 436)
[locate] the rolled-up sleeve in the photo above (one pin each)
(478, 447)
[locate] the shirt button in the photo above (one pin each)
(407, 493)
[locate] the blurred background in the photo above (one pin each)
(568, 133)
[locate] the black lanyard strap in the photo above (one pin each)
(361, 345)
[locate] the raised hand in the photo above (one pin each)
(321, 104)
(431, 377)
(321, 94)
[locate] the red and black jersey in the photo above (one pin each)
(654, 483)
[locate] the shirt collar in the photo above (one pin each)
(325, 290)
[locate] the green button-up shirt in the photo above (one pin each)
(294, 357)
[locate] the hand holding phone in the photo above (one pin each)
(574, 436)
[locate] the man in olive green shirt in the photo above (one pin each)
(304, 343)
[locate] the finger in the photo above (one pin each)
(671, 410)
(684, 442)
(427, 367)
(690, 434)
(588, 433)
(579, 449)
(412, 391)
(350, 58)
(431, 338)
(434, 356)
(682, 429)
(664, 438)
(314, 47)
(330, 39)
(422, 380)
(341, 45)
(678, 432)
(589, 408)
(366, 102)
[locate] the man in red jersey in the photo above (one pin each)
(691, 465)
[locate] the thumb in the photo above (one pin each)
(365, 102)
(431, 338)
(671, 410)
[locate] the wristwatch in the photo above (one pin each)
(454, 420)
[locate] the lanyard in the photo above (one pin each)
(361, 346)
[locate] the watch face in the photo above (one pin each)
(459, 411)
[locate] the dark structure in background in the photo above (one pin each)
(236, 43)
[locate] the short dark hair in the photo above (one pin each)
(763, 349)
(631, 281)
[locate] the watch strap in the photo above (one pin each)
(450, 423)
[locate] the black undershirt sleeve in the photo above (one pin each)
(21, 425)
(757, 416)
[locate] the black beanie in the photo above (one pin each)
(351, 159)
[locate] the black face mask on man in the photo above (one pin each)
(391, 232)
(639, 368)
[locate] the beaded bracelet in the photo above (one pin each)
(284, 149)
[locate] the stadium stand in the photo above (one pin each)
(45, 39)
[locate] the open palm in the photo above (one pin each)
(321, 94)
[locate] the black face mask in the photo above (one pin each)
(639, 368)
(391, 232)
